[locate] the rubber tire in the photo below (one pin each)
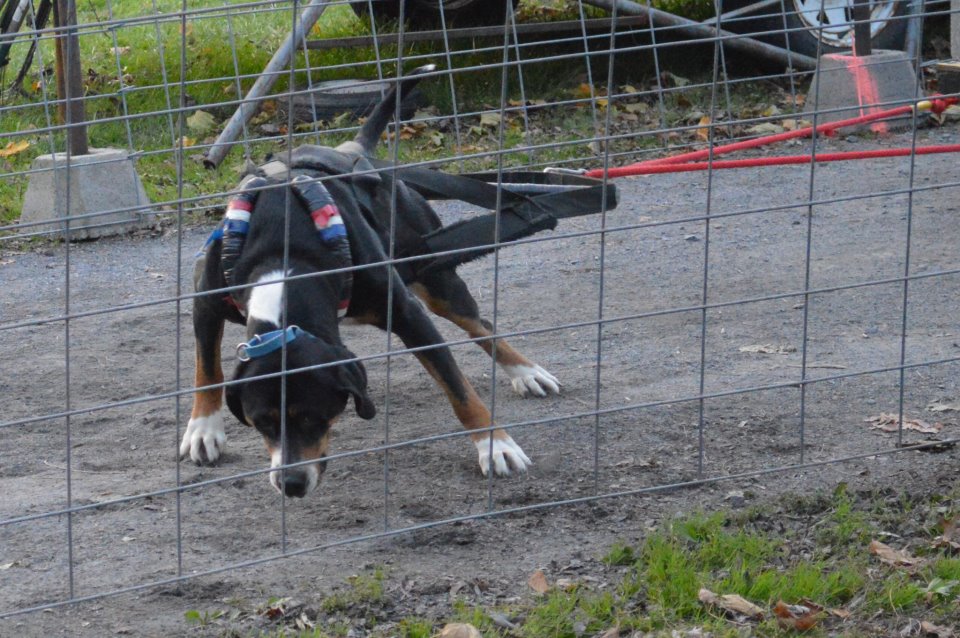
(801, 37)
(425, 14)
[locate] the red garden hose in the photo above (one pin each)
(679, 163)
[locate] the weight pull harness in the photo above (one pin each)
(526, 202)
(327, 221)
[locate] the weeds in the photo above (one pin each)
(654, 585)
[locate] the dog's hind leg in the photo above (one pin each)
(205, 437)
(447, 296)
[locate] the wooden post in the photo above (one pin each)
(70, 76)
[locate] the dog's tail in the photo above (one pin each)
(366, 140)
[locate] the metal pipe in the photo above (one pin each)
(914, 31)
(251, 103)
(695, 29)
(742, 11)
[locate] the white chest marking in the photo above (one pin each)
(266, 299)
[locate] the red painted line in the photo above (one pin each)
(868, 94)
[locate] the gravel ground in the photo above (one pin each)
(652, 261)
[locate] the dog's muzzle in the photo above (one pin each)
(297, 481)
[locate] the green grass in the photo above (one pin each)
(653, 586)
(137, 117)
(362, 590)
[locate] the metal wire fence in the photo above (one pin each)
(711, 327)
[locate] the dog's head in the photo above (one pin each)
(315, 398)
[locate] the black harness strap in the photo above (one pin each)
(554, 196)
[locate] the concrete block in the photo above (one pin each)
(106, 195)
(848, 86)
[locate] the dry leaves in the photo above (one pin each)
(799, 617)
(201, 122)
(14, 148)
(459, 630)
(889, 422)
(891, 556)
(765, 128)
(943, 406)
(950, 539)
(731, 604)
(703, 131)
(929, 629)
(767, 348)
(538, 582)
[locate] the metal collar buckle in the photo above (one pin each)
(262, 345)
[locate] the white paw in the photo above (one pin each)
(506, 453)
(204, 439)
(532, 379)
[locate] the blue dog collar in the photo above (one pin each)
(262, 345)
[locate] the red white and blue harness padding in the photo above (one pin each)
(326, 217)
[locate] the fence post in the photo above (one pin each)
(70, 76)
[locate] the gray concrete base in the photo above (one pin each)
(848, 86)
(106, 195)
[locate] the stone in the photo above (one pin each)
(106, 195)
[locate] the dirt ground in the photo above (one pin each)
(651, 361)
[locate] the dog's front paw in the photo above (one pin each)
(506, 454)
(205, 439)
(532, 379)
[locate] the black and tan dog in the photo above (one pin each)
(306, 296)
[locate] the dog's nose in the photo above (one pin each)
(295, 484)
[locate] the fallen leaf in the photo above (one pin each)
(950, 114)
(13, 148)
(566, 584)
(891, 556)
(799, 617)
(583, 91)
(951, 534)
(490, 119)
(731, 604)
(703, 132)
(538, 582)
(888, 422)
(201, 122)
(635, 107)
(629, 88)
(459, 630)
(770, 111)
(929, 629)
(669, 79)
(188, 141)
(613, 632)
(765, 128)
(767, 348)
(943, 406)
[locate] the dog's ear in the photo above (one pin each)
(352, 377)
(232, 394)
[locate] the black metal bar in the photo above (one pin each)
(861, 28)
(597, 24)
